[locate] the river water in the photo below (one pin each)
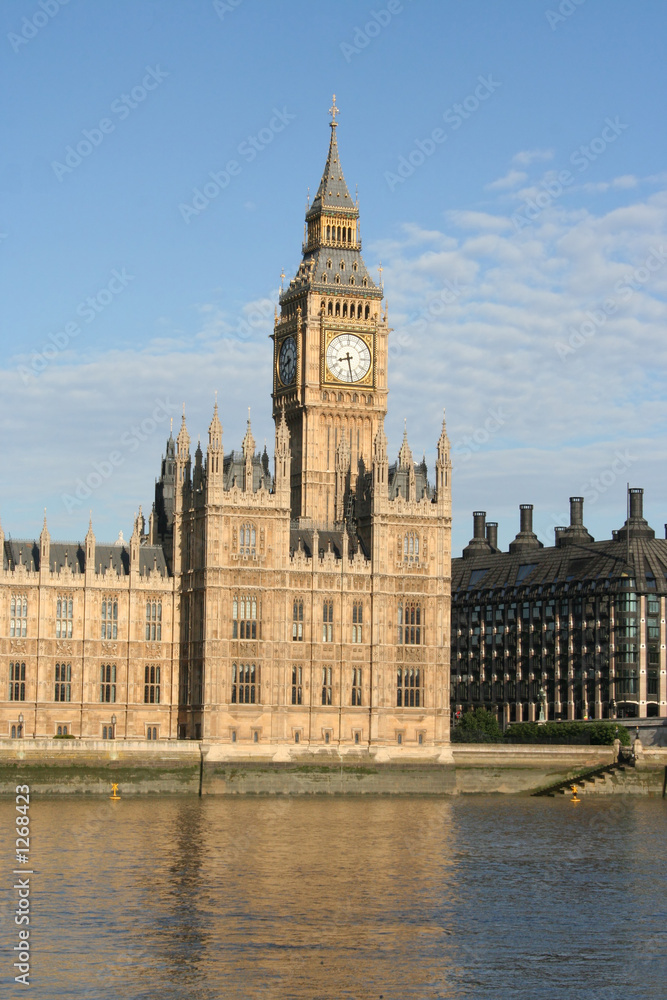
(324, 898)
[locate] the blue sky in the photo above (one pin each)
(524, 249)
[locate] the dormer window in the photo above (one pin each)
(355, 266)
(365, 282)
(324, 278)
(337, 279)
(342, 265)
(329, 263)
(352, 279)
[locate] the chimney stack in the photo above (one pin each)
(636, 503)
(636, 525)
(478, 543)
(492, 534)
(526, 517)
(478, 520)
(576, 512)
(526, 539)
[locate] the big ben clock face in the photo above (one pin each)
(287, 361)
(348, 358)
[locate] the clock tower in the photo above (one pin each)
(330, 354)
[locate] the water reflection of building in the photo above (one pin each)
(305, 606)
(584, 620)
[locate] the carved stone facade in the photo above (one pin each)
(310, 607)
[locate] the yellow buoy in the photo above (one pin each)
(115, 797)
(573, 789)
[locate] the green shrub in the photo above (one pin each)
(597, 733)
(477, 726)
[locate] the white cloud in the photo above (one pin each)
(618, 183)
(528, 156)
(477, 321)
(510, 180)
(479, 220)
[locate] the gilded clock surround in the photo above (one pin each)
(327, 378)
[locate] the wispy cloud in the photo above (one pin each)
(510, 180)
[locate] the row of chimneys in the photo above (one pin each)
(485, 533)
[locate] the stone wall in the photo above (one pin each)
(89, 767)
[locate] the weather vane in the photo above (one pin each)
(333, 111)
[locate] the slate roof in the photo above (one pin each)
(566, 567)
(25, 552)
(234, 468)
(332, 192)
(337, 539)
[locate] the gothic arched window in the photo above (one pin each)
(409, 688)
(367, 312)
(410, 625)
(247, 540)
(330, 308)
(337, 306)
(344, 309)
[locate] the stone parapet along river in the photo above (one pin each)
(66, 767)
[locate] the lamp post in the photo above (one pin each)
(543, 700)
(20, 729)
(113, 727)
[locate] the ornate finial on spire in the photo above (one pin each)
(380, 270)
(333, 111)
(356, 195)
(248, 416)
(171, 425)
(282, 278)
(216, 397)
(308, 198)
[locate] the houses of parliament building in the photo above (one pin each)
(308, 603)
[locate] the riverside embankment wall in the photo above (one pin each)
(63, 767)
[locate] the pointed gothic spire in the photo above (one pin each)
(215, 429)
(183, 439)
(332, 192)
(44, 546)
(405, 454)
(248, 442)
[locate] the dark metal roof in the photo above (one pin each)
(114, 557)
(332, 192)
(569, 565)
(328, 539)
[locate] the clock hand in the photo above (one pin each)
(348, 358)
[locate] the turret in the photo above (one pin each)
(44, 549)
(248, 446)
(407, 466)
(282, 460)
(89, 545)
(135, 544)
(214, 459)
(443, 469)
(380, 470)
(342, 473)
